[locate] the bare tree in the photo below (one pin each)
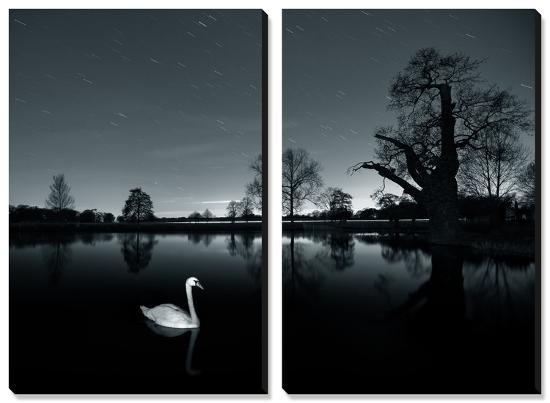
(493, 170)
(246, 208)
(443, 111)
(60, 194)
(233, 209)
(301, 180)
(254, 189)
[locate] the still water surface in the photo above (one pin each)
(364, 315)
(76, 326)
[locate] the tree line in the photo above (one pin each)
(137, 208)
(512, 199)
(455, 150)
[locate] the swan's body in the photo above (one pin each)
(170, 315)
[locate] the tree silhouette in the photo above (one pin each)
(138, 207)
(385, 200)
(442, 111)
(60, 194)
(233, 209)
(301, 180)
(108, 218)
(195, 216)
(337, 203)
(89, 216)
(254, 189)
(246, 209)
(494, 169)
(207, 215)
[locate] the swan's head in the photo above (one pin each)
(193, 282)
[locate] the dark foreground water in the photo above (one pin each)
(76, 326)
(363, 315)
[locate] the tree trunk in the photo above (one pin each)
(292, 208)
(441, 190)
(441, 201)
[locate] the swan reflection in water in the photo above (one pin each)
(169, 320)
(175, 332)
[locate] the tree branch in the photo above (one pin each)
(414, 166)
(390, 174)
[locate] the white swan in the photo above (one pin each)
(170, 315)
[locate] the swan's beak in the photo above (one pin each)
(200, 285)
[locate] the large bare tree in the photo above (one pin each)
(443, 110)
(60, 194)
(301, 180)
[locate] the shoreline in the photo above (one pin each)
(510, 240)
(513, 239)
(255, 226)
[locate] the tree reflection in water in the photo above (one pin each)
(197, 237)
(57, 255)
(491, 284)
(404, 308)
(503, 286)
(57, 249)
(341, 247)
(301, 274)
(414, 254)
(137, 250)
(242, 245)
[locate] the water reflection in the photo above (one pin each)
(124, 353)
(302, 274)
(438, 302)
(137, 250)
(242, 245)
(57, 255)
(173, 332)
(341, 248)
(197, 237)
(445, 279)
(91, 238)
(491, 283)
(409, 316)
(382, 284)
(413, 254)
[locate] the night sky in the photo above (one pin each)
(166, 100)
(338, 64)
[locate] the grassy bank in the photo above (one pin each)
(132, 227)
(380, 226)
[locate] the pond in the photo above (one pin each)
(364, 314)
(76, 326)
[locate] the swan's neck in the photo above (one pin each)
(194, 317)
